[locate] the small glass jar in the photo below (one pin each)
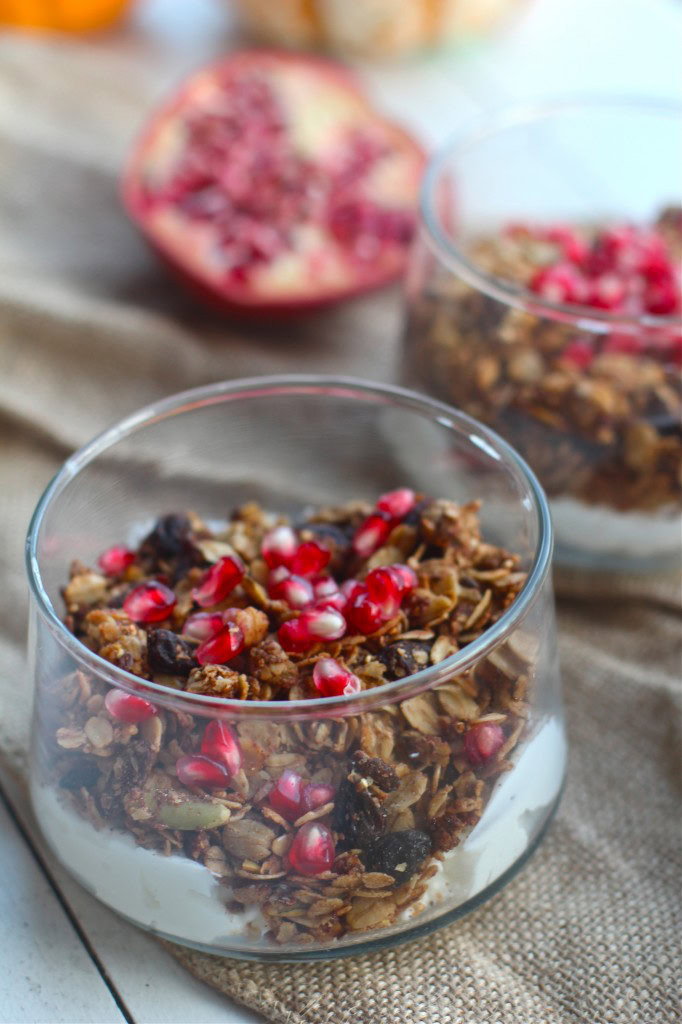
(591, 398)
(212, 869)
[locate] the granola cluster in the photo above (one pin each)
(598, 416)
(328, 825)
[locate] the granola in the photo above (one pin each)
(597, 413)
(324, 826)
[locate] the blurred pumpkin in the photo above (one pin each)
(370, 27)
(61, 16)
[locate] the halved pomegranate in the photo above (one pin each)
(271, 185)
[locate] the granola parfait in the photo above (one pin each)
(548, 304)
(289, 701)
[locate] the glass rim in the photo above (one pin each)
(262, 387)
(484, 126)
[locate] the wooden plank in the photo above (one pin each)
(47, 973)
(151, 984)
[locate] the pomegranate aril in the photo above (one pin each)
(323, 623)
(312, 850)
(364, 615)
(295, 638)
(483, 741)
(279, 546)
(407, 578)
(337, 601)
(624, 343)
(397, 504)
(219, 581)
(202, 625)
(573, 247)
(608, 291)
(384, 585)
(310, 558)
(371, 534)
(579, 354)
(327, 594)
(662, 296)
(296, 591)
(197, 770)
(286, 796)
(222, 647)
(351, 588)
(116, 560)
(317, 794)
(332, 679)
(149, 602)
(220, 743)
(126, 707)
(561, 283)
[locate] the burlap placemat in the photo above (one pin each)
(90, 328)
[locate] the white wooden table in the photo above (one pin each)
(64, 957)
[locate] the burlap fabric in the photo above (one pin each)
(91, 328)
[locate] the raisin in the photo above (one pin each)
(382, 774)
(169, 653)
(358, 816)
(399, 853)
(168, 538)
(84, 772)
(405, 657)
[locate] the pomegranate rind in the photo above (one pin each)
(188, 247)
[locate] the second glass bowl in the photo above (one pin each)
(425, 825)
(591, 398)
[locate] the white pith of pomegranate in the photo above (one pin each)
(269, 183)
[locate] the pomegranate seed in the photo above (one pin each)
(560, 283)
(626, 344)
(397, 504)
(312, 850)
(371, 534)
(323, 623)
(407, 576)
(612, 249)
(336, 601)
(222, 647)
(116, 560)
(197, 770)
(149, 602)
(297, 592)
(202, 625)
(661, 296)
(294, 638)
(220, 743)
(578, 353)
(325, 586)
(384, 586)
(219, 581)
(573, 248)
(310, 558)
(650, 256)
(279, 546)
(351, 588)
(608, 291)
(286, 796)
(126, 707)
(482, 741)
(333, 679)
(364, 615)
(317, 794)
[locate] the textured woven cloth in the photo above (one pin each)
(91, 328)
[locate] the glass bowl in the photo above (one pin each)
(211, 869)
(591, 398)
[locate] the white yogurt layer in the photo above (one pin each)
(600, 529)
(179, 897)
